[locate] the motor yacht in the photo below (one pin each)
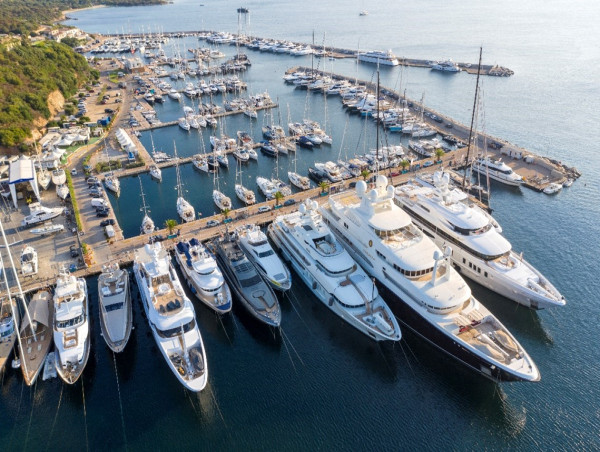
(445, 66)
(29, 261)
(184, 124)
(244, 280)
(479, 251)
(173, 94)
(331, 273)
(114, 304)
(36, 335)
(47, 229)
(497, 170)
(241, 154)
(200, 162)
(254, 243)
(203, 276)
(379, 57)
(429, 296)
(40, 214)
(171, 316)
(71, 326)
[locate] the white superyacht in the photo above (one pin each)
(257, 248)
(497, 170)
(480, 251)
(331, 273)
(114, 304)
(71, 326)
(171, 316)
(432, 298)
(203, 276)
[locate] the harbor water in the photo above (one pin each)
(320, 384)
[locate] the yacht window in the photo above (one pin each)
(249, 282)
(485, 274)
(69, 323)
(380, 255)
(307, 227)
(210, 271)
(335, 272)
(265, 253)
(113, 307)
(172, 332)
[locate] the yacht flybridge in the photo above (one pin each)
(431, 297)
(171, 316)
(480, 252)
(114, 304)
(332, 274)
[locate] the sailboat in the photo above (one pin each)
(58, 176)
(298, 181)
(147, 223)
(155, 171)
(36, 335)
(244, 194)
(184, 208)
(110, 180)
(9, 322)
(62, 191)
(43, 177)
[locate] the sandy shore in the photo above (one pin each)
(69, 11)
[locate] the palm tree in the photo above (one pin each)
(278, 197)
(324, 186)
(365, 174)
(225, 213)
(171, 225)
(404, 164)
(439, 153)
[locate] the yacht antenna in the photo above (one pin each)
(472, 116)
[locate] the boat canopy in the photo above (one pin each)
(22, 170)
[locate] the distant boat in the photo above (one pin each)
(364, 12)
(243, 10)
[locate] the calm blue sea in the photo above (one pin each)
(322, 385)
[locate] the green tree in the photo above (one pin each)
(278, 197)
(404, 164)
(365, 174)
(225, 213)
(439, 153)
(324, 186)
(171, 225)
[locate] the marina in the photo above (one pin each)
(375, 168)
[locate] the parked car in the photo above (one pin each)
(108, 222)
(155, 238)
(289, 202)
(427, 164)
(74, 251)
(74, 172)
(108, 110)
(212, 223)
(263, 209)
(102, 213)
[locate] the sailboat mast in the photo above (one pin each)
(473, 116)
(377, 125)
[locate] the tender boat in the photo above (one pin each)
(331, 273)
(59, 176)
(71, 326)
(36, 336)
(254, 243)
(480, 252)
(171, 316)
(553, 188)
(29, 261)
(254, 294)
(114, 303)
(203, 276)
(9, 324)
(497, 170)
(429, 296)
(40, 214)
